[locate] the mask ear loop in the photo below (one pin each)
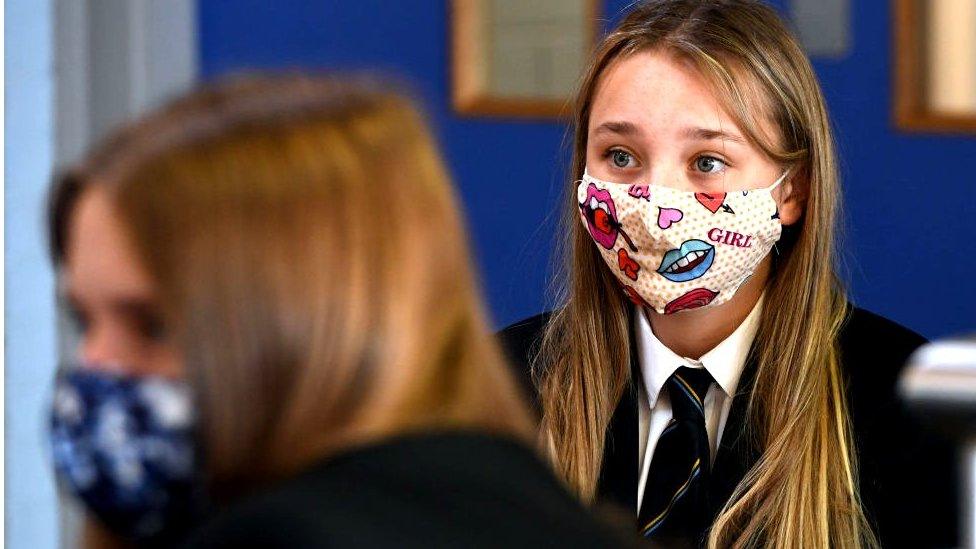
(587, 178)
(771, 188)
(782, 178)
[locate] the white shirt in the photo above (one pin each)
(725, 364)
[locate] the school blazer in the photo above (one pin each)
(907, 473)
(449, 489)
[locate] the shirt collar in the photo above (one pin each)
(724, 362)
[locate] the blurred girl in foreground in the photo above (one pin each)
(281, 336)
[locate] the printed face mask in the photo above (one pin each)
(124, 445)
(677, 250)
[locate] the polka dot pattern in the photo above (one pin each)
(693, 249)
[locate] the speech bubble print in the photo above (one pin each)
(640, 191)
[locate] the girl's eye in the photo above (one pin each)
(149, 326)
(78, 319)
(621, 159)
(709, 164)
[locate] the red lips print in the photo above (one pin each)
(602, 221)
(711, 201)
(627, 264)
(636, 298)
(600, 215)
(699, 297)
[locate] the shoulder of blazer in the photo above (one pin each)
(433, 489)
(907, 470)
(873, 353)
(520, 342)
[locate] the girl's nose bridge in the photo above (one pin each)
(667, 174)
(100, 350)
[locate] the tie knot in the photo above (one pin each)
(689, 385)
(698, 378)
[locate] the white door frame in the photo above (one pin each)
(113, 59)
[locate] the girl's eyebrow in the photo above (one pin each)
(706, 134)
(617, 127)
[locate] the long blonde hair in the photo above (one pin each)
(305, 242)
(803, 490)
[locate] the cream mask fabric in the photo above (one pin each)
(677, 250)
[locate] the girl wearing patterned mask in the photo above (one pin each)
(281, 339)
(704, 368)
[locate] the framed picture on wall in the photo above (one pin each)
(935, 65)
(519, 58)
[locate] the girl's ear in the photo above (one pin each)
(792, 197)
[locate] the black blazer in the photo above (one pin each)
(433, 490)
(907, 473)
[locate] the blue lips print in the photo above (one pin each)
(688, 262)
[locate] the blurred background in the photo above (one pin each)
(75, 68)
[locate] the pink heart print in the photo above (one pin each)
(668, 216)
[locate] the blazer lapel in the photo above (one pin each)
(737, 452)
(618, 473)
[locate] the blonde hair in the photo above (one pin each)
(803, 490)
(307, 249)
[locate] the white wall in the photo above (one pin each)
(74, 69)
(31, 344)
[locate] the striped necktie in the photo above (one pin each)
(674, 506)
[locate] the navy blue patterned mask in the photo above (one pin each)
(125, 446)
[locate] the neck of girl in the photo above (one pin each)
(693, 333)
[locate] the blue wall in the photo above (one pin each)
(908, 197)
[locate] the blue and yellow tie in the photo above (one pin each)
(674, 507)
